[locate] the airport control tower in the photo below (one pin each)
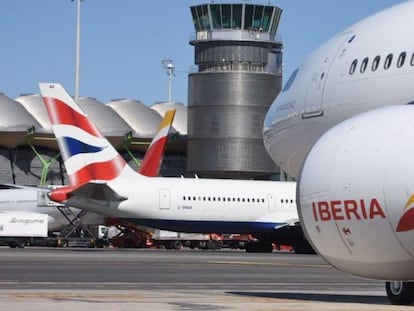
(239, 75)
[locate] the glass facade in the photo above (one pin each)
(261, 18)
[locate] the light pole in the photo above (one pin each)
(78, 5)
(169, 66)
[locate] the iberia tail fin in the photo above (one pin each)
(86, 153)
(151, 164)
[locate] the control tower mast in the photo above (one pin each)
(239, 75)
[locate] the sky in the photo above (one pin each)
(123, 42)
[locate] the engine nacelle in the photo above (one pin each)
(356, 194)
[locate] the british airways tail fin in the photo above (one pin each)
(86, 153)
(151, 164)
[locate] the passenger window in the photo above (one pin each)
(401, 59)
(353, 66)
(388, 61)
(376, 62)
(364, 65)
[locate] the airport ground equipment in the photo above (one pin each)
(178, 240)
(19, 229)
(129, 235)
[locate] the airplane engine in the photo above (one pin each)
(356, 194)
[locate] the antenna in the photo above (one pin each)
(168, 65)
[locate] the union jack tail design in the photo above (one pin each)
(87, 154)
(151, 164)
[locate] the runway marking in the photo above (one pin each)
(279, 264)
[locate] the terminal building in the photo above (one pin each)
(29, 154)
(239, 59)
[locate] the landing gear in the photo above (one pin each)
(400, 293)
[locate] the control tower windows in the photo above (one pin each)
(237, 16)
(226, 15)
(215, 10)
(258, 14)
(267, 16)
(201, 17)
(248, 16)
(276, 19)
(258, 18)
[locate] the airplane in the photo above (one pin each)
(102, 182)
(343, 128)
(18, 198)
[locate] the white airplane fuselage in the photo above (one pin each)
(324, 92)
(200, 205)
(352, 158)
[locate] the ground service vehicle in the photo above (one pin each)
(19, 229)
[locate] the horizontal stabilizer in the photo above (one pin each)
(98, 192)
(92, 191)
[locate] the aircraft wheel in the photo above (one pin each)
(400, 293)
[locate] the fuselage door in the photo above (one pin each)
(271, 201)
(313, 104)
(164, 199)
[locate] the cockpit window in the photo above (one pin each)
(290, 80)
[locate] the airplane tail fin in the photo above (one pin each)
(87, 154)
(151, 164)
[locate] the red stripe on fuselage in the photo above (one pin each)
(61, 113)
